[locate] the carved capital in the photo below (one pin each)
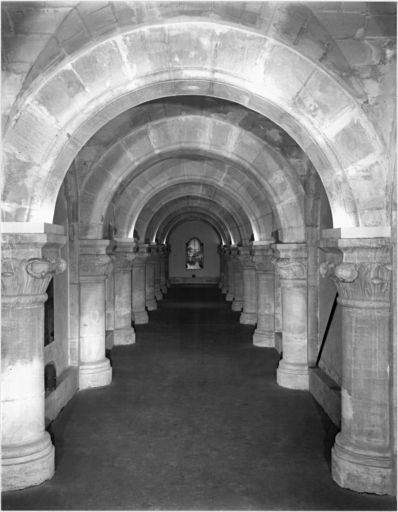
(361, 271)
(40, 268)
(29, 261)
(290, 268)
(262, 257)
(244, 256)
(291, 261)
(124, 254)
(95, 265)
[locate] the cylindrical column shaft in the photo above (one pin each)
(264, 335)
(362, 455)
(94, 368)
(150, 281)
(28, 263)
(292, 371)
(138, 291)
(249, 313)
(124, 255)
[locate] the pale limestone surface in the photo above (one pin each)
(124, 119)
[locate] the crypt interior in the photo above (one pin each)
(199, 255)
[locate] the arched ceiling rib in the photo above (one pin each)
(149, 224)
(79, 94)
(126, 169)
(177, 189)
(171, 222)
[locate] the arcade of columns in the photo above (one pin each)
(360, 269)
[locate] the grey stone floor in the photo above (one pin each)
(193, 420)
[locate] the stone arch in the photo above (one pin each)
(225, 220)
(132, 156)
(202, 217)
(252, 218)
(341, 142)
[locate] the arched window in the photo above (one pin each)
(194, 254)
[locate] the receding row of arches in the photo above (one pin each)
(175, 124)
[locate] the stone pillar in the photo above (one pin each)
(124, 254)
(220, 255)
(167, 251)
(94, 265)
(162, 261)
(231, 250)
(156, 258)
(224, 284)
(291, 266)
(263, 256)
(249, 313)
(237, 303)
(110, 302)
(29, 261)
(138, 292)
(361, 271)
(150, 280)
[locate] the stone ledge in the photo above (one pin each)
(358, 232)
(327, 393)
(32, 227)
(67, 387)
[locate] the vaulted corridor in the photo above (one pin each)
(193, 419)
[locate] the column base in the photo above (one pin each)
(264, 339)
(163, 289)
(95, 375)
(292, 376)
(125, 336)
(151, 305)
(248, 318)
(224, 290)
(159, 295)
(361, 472)
(27, 465)
(237, 305)
(229, 297)
(140, 317)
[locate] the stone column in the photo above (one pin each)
(138, 292)
(162, 260)
(263, 257)
(237, 303)
(110, 302)
(167, 251)
(220, 255)
(249, 313)
(156, 258)
(94, 265)
(291, 266)
(150, 280)
(29, 261)
(361, 271)
(224, 284)
(124, 254)
(231, 250)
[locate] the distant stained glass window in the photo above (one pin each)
(194, 254)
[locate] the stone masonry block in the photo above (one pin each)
(62, 92)
(102, 68)
(314, 99)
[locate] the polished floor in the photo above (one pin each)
(193, 420)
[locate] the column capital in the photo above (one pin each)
(262, 256)
(124, 254)
(244, 256)
(94, 260)
(360, 268)
(290, 261)
(29, 261)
